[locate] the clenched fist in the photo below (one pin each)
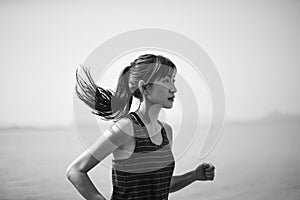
(205, 172)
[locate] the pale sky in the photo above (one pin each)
(254, 45)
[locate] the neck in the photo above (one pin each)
(149, 113)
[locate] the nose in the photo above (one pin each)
(173, 89)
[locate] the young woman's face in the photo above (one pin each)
(163, 91)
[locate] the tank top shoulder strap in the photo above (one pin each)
(141, 125)
(164, 134)
(135, 118)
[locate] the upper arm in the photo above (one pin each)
(114, 137)
(169, 131)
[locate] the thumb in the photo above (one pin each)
(209, 166)
(206, 165)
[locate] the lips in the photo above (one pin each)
(171, 98)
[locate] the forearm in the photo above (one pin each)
(84, 185)
(181, 181)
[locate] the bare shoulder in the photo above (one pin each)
(125, 125)
(169, 131)
(117, 135)
(121, 130)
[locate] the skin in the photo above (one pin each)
(119, 140)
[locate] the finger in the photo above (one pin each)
(205, 165)
(210, 176)
(212, 173)
(208, 173)
(210, 168)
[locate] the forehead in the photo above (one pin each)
(171, 74)
(163, 73)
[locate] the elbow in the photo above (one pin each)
(70, 172)
(80, 166)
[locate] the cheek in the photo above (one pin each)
(159, 93)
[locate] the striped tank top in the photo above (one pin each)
(147, 173)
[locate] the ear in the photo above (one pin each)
(141, 86)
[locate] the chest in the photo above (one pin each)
(146, 137)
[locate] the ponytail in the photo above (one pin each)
(105, 103)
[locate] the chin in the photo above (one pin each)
(168, 106)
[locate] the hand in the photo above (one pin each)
(205, 171)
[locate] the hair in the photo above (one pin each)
(111, 105)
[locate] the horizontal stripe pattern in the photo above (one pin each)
(147, 173)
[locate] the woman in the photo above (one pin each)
(143, 163)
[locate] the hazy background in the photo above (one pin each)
(254, 44)
(255, 47)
